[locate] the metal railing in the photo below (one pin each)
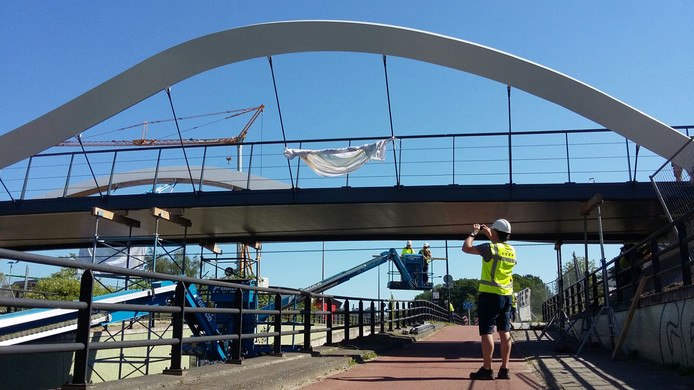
(664, 257)
(553, 156)
(372, 314)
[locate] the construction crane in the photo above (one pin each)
(144, 141)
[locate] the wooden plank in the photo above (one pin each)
(112, 216)
(165, 214)
(630, 316)
(590, 205)
(212, 247)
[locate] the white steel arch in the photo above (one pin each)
(261, 40)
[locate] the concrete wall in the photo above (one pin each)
(662, 333)
(43, 371)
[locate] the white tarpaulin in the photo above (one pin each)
(336, 162)
(115, 257)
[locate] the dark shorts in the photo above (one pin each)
(493, 309)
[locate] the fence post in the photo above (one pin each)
(382, 317)
(238, 328)
(684, 254)
(408, 313)
(655, 259)
(361, 318)
(329, 322)
(347, 319)
(79, 379)
(177, 331)
(390, 315)
(618, 279)
(277, 350)
(307, 319)
(372, 320)
(397, 315)
(594, 279)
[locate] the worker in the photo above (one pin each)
(408, 249)
(426, 253)
(513, 307)
(496, 291)
(450, 307)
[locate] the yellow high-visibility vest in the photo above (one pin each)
(497, 273)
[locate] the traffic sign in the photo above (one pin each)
(468, 305)
(448, 279)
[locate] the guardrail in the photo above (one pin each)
(372, 313)
(553, 156)
(664, 257)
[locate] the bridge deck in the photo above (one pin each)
(539, 212)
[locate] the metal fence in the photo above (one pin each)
(372, 314)
(553, 156)
(664, 257)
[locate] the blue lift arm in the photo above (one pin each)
(344, 276)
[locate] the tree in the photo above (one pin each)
(539, 291)
(165, 264)
(466, 290)
(63, 285)
(462, 290)
(569, 270)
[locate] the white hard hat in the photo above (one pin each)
(426, 244)
(409, 242)
(502, 225)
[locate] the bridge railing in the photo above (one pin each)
(370, 316)
(591, 155)
(664, 258)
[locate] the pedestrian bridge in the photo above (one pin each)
(432, 186)
(268, 200)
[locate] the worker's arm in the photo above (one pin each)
(467, 245)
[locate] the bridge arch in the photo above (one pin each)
(226, 47)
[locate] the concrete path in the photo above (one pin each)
(442, 361)
(593, 368)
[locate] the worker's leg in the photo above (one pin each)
(487, 350)
(487, 310)
(505, 347)
(503, 326)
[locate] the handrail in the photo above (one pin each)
(75, 177)
(659, 265)
(377, 312)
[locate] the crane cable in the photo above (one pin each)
(180, 138)
(390, 116)
(234, 113)
(279, 110)
(79, 139)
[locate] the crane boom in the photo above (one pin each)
(173, 142)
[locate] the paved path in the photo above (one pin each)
(593, 368)
(442, 361)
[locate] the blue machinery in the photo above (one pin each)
(56, 321)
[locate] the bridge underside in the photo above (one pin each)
(539, 212)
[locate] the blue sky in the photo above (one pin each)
(640, 52)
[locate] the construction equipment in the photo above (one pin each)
(12, 326)
(144, 141)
